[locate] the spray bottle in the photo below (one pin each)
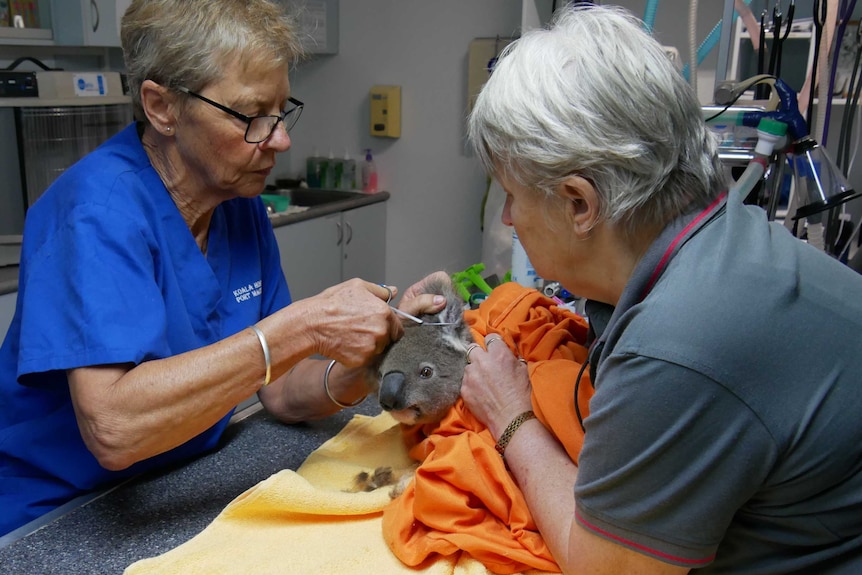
(369, 173)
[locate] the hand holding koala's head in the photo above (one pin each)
(420, 374)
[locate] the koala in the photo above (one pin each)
(420, 374)
(419, 377)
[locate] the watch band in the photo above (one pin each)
(510, 431)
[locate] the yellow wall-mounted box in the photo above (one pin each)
(386, 111)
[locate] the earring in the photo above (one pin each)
(168, 129)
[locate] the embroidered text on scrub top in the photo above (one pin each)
(246, 292)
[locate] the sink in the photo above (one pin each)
(310, 197)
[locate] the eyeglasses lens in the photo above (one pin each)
(262, 127)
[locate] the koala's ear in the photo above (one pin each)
(453, 312)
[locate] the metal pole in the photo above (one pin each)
(724, 44)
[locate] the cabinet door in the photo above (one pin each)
(103, 19)
(88, 22)
(365, 243)
(311, 254)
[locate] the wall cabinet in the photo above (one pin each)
(321, 252)
(88, 22)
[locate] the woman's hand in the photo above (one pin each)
(496, 386)
(416, 301)
(351, 322)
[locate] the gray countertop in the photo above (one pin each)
(9, 274)
(158, 511)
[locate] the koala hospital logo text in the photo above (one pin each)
(247, 292)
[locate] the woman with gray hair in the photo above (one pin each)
(723, 434)
(151, 296)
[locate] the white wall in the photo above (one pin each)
(436, 185)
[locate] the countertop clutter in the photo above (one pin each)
(157, 512)
(331, 203)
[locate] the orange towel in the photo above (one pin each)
(463, 498)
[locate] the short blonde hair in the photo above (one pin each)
(190, 42)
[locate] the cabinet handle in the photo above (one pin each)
(340, 233)
(94, 10)
(349, 233)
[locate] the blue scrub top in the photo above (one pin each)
(110, 273)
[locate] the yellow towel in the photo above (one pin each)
(305, 521)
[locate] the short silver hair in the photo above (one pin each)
(595, 95)
(191, 42)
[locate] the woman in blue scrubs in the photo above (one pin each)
(151, 297)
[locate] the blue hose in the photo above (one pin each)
(649, 15)
(709, 42)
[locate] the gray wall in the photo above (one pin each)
(436, 186)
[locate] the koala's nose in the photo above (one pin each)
(391, 388)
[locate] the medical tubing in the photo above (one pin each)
(776, 40)
(844, 137)
(769, 133)
(789, 24)
(819, 18)
(837, 40)
(854, 153)
(267, 358)
(692, 42)
(742, 187)
(708, 44)
(851, 105)
(760, 91)
(649, 14)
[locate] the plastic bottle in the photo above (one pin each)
(348, 172)
(314, 170)
(327, 171)
(522, 270)
(337, 174)
(369, 174)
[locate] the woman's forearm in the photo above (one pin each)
(128, 415)
(546, 476)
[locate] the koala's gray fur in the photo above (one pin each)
(419, 378)
(420, 374)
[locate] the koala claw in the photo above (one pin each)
(383, 477)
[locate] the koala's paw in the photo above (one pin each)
(383, 477)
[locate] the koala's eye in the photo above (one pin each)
(426, 372)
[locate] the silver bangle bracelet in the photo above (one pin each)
(329, 393)
(267, 358)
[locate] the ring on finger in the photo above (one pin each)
(389, 289)
(470, 348)
(492, 340)
(522, 360)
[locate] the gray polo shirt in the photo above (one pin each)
(725, 430)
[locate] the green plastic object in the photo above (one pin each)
(774, 127)
(278, 203)
(470, 277)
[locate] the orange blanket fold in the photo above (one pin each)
(463, 498)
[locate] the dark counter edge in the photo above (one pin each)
(157, 511)
(9, 274)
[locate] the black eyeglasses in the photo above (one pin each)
(260, 128)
